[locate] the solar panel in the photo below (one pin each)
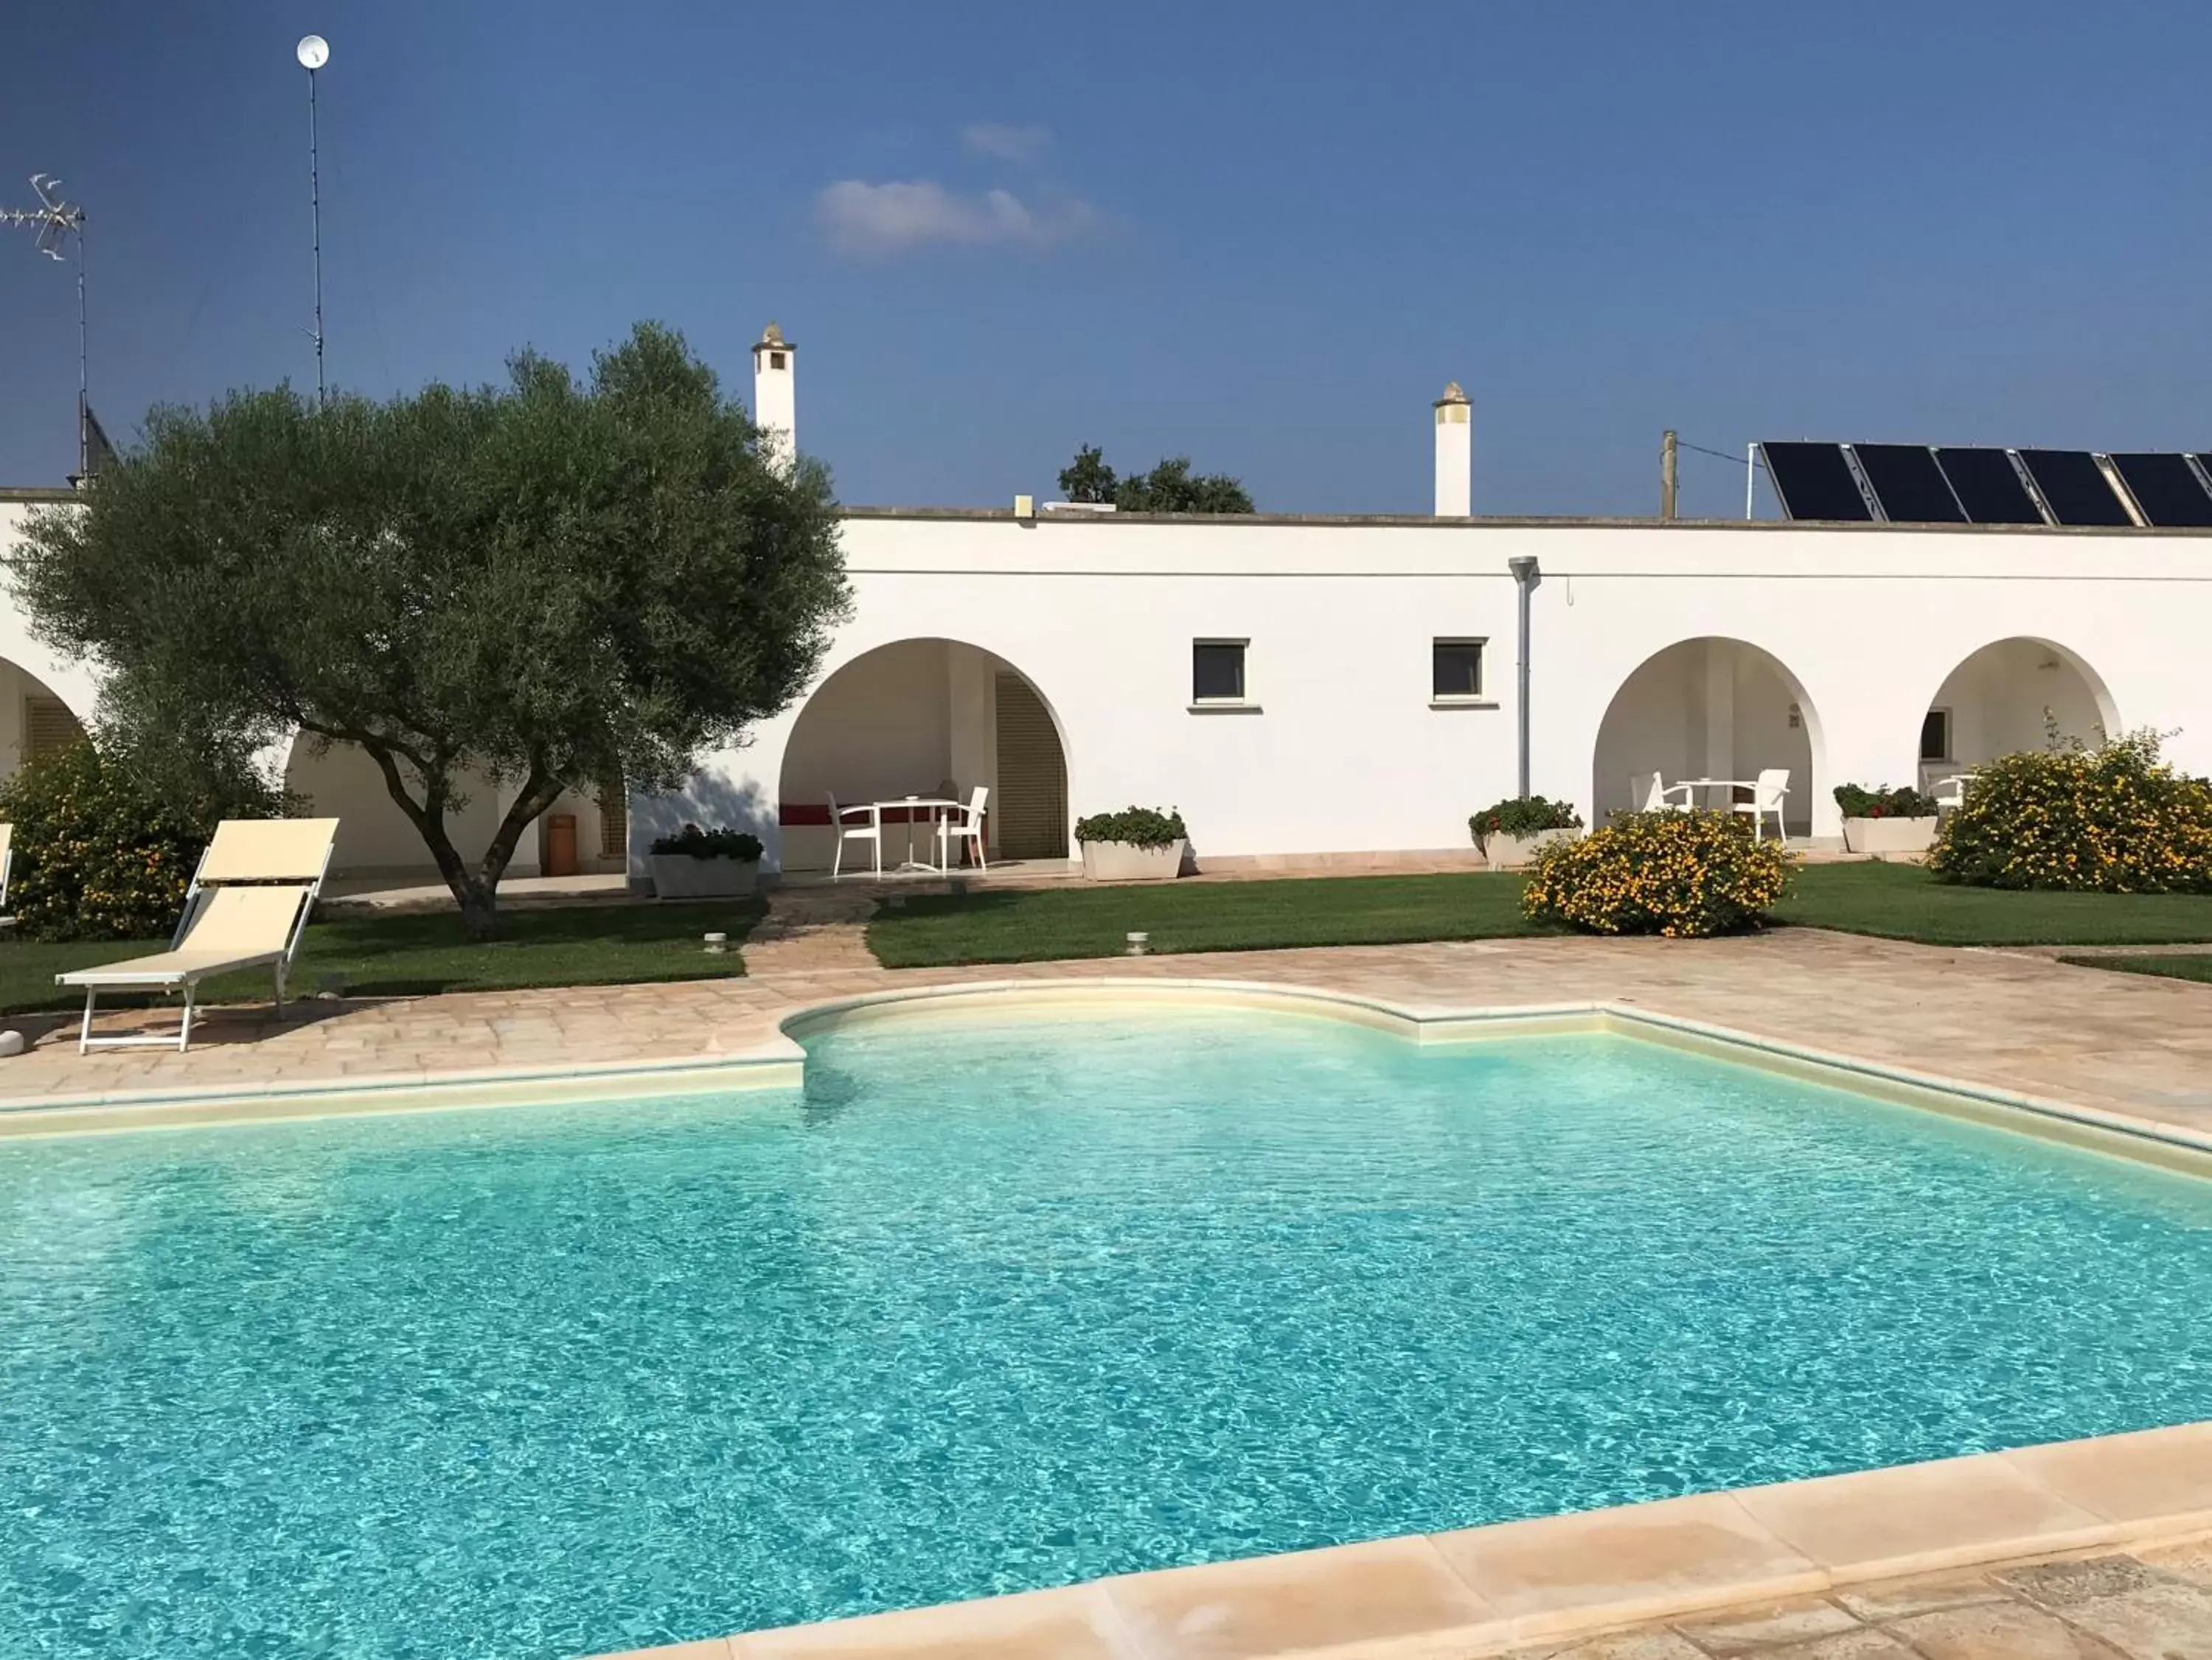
(1909, 484)
(1814, 481)
(1988, 487)
(2074, 486)
(2165, 486)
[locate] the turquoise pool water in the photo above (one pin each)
(990, 1307)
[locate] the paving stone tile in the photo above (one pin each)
(1997, 1631)
(1885, 1599)
(2192, 1561)
(2159, 1622)
(1656, 1644)
(2059, 1584)
(1866, 1643)
(1740, 1631)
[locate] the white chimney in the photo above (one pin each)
(1455, 454)
(776, 399)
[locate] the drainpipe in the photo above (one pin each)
(1525, 576)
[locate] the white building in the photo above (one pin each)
(1303, 685)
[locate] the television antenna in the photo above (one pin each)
(53, 221)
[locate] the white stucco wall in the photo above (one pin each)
(71, 681)
(1344, 752)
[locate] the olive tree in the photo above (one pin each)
(544, 584)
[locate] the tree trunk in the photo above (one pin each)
(478, 899)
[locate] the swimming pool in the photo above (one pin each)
(990, 1306)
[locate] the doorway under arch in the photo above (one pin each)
(926, 718)
(35, 719)
(1711, 707)
(2012, 695)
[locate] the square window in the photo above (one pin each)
(776, 359)
(1936, 735)
(1217, 671)
(1456, 668)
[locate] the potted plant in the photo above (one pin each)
(1140, 843)
(1885, 820)
(696, 864)
(1519, 827)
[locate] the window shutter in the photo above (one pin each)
(48, 725)
(1030, 807)
(614, 821)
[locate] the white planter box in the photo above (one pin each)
(1889, 835)
(680, 876)
(1505, 852)
(1124, 860)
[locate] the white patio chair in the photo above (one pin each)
(868, 828)
(1951, 793)
(1651, 793)
(1767, 793)
(968, 825)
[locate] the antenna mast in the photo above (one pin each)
(55, 219)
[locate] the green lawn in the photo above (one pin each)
(1904, 902)
(1900, 902)
(2194, 967)
(1040, 923)
(422, 952)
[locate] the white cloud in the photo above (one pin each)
(861, 219)
(1007, 143)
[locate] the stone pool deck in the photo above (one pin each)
(2007, 1020)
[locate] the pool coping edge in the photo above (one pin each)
(1482, 1590)
(779, 1062)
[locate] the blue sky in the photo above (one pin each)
(1262, 235)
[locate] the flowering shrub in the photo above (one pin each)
(1882, 803)
(1682, 875)
(104, 850)
(2112, 819)
(1524, 815)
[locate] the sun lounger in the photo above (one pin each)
(247, 907)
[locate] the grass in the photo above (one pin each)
(414, 952)
(1904, 902)
(2196, 966)
(1043, 924)
(1898, 901)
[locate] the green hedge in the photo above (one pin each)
(1146, 827)
(1524, 815)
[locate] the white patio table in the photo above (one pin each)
(1729, 784)
(935, 807)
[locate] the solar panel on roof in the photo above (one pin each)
(1908, 483)
(2074, 486)
(1814, 481)
(2166, 488)
(1988, 487)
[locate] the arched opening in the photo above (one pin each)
(377, 840)
(35, 719)
(926, 718)
(2011, 695)
(1710, 708)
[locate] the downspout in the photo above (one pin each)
(1525, 576)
